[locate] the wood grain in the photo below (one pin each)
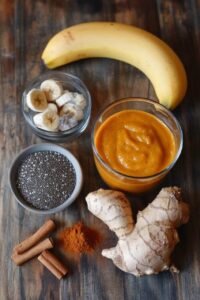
(25, 27)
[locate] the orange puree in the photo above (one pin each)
(135, 143)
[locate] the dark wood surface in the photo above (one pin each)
(25, 27)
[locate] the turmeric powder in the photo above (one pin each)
(79, 239)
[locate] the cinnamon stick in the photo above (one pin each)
(51, 262)
(19, 259)
(40, 234)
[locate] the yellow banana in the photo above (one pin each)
(125, 43)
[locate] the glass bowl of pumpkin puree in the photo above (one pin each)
(135, 143)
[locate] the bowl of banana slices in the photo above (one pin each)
(57, 106)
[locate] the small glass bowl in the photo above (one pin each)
(117, 180)
(71, 83)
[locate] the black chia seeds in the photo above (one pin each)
(46, 179)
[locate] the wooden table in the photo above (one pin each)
(25, 29)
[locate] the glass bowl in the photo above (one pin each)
(71, 83)
(119, 181)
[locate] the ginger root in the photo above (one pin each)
(144, 247)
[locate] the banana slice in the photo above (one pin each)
(36, 100)
(79, 114)
(63, 126)
(68, 109)
(53, 89)
(79, 100)
(72, 111)
(64, 98)
(67, 123)
(47, 120)
(53, 107)
(72, 122)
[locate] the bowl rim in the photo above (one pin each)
(145, 100)
(60, 134)
(39, 148)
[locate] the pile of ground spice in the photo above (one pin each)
(79, 239)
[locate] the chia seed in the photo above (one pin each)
(46, 179)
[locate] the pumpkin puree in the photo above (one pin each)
(135, 143)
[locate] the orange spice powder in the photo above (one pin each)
(79, 239)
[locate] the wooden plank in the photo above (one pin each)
(25, 28)
(176, 21)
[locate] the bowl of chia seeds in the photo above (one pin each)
(45, 178)
(57, 106)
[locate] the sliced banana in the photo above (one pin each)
(68, 109)
(70, 114)
(52, 88)
(47, 120)
(63, 126)
(67, 123)
(36, 100)
(72, 111)
(53, 107)
(69, 104)
(79, 114)
(79, 100)
(72, 122)
(66, 97)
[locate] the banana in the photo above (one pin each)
(79, 100)
(47, 120)
(67, 123)
(53, 107)
(70, 115)
(36, 100)
(76, 98)
(72, 111)
(52, 89)
(125, 43)
(64, 98)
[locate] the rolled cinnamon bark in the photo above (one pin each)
(51, 262)
(40, 234)
(54, 261)
(19, 259)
